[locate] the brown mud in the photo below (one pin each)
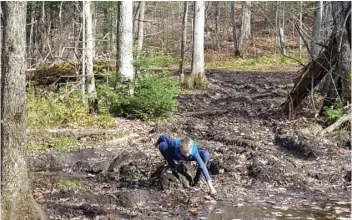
(262, 165)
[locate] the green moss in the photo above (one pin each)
(69, 184)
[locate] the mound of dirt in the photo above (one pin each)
(133, 198)
(270, 169)
(299, 146)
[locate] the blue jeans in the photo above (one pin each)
(169, 155)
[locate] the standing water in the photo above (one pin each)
(339, 210)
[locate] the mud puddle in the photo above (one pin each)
(340, 210)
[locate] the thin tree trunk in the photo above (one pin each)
(90, 82)
(217, 13)
(140, 27)
(283, 17)
(135, 20)
(183, 42)
(316, 29)
(276, 25)
(233, 18)
(84, 56)
(17, 202)
(282, 41)
(94, 24)
(30, 48)
(300, 26)
(348, 28)
(198, 78)
(125, 44)
(60, 29)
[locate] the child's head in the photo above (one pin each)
(186, 146)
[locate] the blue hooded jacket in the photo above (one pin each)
(174, 144)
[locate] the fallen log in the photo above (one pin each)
(336, 124)
(65, 72)
(346, 117)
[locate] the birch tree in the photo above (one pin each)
(90, 82)
(17, 202)
(124, 59)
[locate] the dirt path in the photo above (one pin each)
(256, 162)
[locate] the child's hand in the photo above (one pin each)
(211, 187)
(212, 190)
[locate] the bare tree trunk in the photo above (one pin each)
(60, 29)
(183, 42)
(245, 27)
(316, 29)
(90, 82)
(276, 25)
(17, 202)
(198, 78)
(94, 24)
(217, 13)
(135, 20)
(283, 16)
(125, 44)
(84, 56)
(282, 41)
(300, 26)
(348, 28)
(233, 18)
(30, 48)
(140, 27)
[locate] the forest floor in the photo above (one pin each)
(263, 166)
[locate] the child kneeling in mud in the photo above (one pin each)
(185, 149)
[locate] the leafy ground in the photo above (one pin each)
(263, 167)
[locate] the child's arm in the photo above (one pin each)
(205, 172)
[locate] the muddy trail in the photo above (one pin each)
(262, 166)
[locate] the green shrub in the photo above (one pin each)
(334, 112)
(44, 111)
(107, 96)
(154, 98)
